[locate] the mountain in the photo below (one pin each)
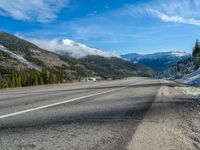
(23, 63)
(157, 61)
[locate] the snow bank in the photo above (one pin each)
(192, 91)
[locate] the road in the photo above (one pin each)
(94, 115)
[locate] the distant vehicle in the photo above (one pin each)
(87, 79)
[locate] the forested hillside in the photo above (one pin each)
(190, 64)
(187, 70)
(23, 64)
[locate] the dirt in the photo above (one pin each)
(173, 122)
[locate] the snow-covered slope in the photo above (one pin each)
(70, 48)
(191, 78)
(157, 61)
(160, 55)
(19, 58)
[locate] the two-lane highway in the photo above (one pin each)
(95, 115)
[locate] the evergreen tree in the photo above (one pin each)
(60, 76)
(196, 55)
(27, 77)
(197, 61)
(196, 49)
(1, 82)
(45, 74)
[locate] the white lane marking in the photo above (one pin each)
(63, 102)
(58, 103)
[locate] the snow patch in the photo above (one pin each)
(180, 54)
(18, 57)
(192, 91)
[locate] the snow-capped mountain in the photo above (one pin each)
(157, 61)
(79, 50)
(70, 48)
(17, 54)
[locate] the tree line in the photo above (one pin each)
(29, 77)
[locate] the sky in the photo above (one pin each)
(116, 26)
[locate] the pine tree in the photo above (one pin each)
(13, 78)
(195, 49)
(1, 82)
(196, 55)
(45, 74)
(197, 61)
(61, 76)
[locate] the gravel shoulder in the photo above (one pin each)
(173, 122)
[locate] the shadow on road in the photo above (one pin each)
(105, 110)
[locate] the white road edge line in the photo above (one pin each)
(58, 103)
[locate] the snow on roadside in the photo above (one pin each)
(192, 91)
(18, 57)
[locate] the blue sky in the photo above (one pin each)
(118, 26)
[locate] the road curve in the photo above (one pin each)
(95, 115)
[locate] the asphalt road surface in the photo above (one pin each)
(94, 115)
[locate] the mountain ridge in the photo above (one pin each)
(159, 61)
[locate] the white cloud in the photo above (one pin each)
(32, 10)
(92, 13)
(176, 19)
(177, 11)
(69, 47)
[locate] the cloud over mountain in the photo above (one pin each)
(69, 47)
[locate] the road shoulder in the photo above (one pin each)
(172, 122)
